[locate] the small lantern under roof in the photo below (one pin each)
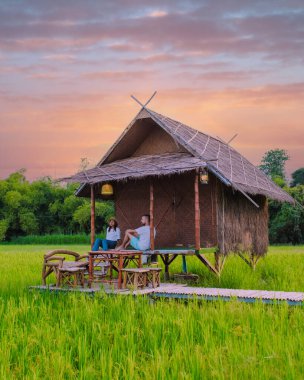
(107, 189)
(204, 177)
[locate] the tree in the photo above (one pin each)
(297, 177)
(103, 211)
(3, 229)
(286, 221)
(273, 163)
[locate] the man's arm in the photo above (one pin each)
(132, 232)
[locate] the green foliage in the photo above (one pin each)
(279, 181)
(3, 229)
(273, 163)
(44, 207)
(53, 239)
(286, 221)
(82, 215)
(297, 177)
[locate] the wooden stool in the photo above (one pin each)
(154, 277)
(135, 277)
(70, 277)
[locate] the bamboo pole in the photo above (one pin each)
(197, 223)
(92, 216)
(152, 245)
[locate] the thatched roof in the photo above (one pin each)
(139, 167)
(197, 150)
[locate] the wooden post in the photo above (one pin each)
(185, 269)
(152, 245)
(92, 216)
(197, 223)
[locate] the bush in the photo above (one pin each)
(52, 239)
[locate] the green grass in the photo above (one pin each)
(68, 336)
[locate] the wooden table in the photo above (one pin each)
(118, 260)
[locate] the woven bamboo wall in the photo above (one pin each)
(174, 209)
(158, 142)
(241, 226)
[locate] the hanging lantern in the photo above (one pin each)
(204, 177)
(107, 189)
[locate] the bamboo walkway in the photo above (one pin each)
(266, 296)
(180, 291)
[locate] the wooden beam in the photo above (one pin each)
(92, 216)
(152, 245)
(244, 258)
(197, 224)
(205, 261)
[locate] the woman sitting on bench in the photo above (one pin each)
(112, 237)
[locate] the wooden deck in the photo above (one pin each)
(265, 296)
(180, 291)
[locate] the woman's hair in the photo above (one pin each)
(115, 224)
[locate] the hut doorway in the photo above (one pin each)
(174, 211)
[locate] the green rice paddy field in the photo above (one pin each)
(73, 336)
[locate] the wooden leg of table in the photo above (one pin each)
(90, 270)
(124, 280)
(120, 267)
(185, 270)
(166, 262)
(111, 271)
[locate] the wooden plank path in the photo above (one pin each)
(266, 296)
(181, 291)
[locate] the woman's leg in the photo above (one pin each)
(112, 244)
(104, 243)
(96, 245)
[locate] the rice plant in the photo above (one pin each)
(68, 336)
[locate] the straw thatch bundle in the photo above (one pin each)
(242, 227)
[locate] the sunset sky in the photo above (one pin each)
(68, 68)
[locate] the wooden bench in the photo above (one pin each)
(72, 276)
(135, 277)
(154, 277)
(141, 277)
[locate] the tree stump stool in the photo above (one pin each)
(154, 277)
(70, 277)
(135, 277)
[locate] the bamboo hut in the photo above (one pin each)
(199, 190)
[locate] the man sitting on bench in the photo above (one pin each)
(139, 238)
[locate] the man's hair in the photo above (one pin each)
(148, 217)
